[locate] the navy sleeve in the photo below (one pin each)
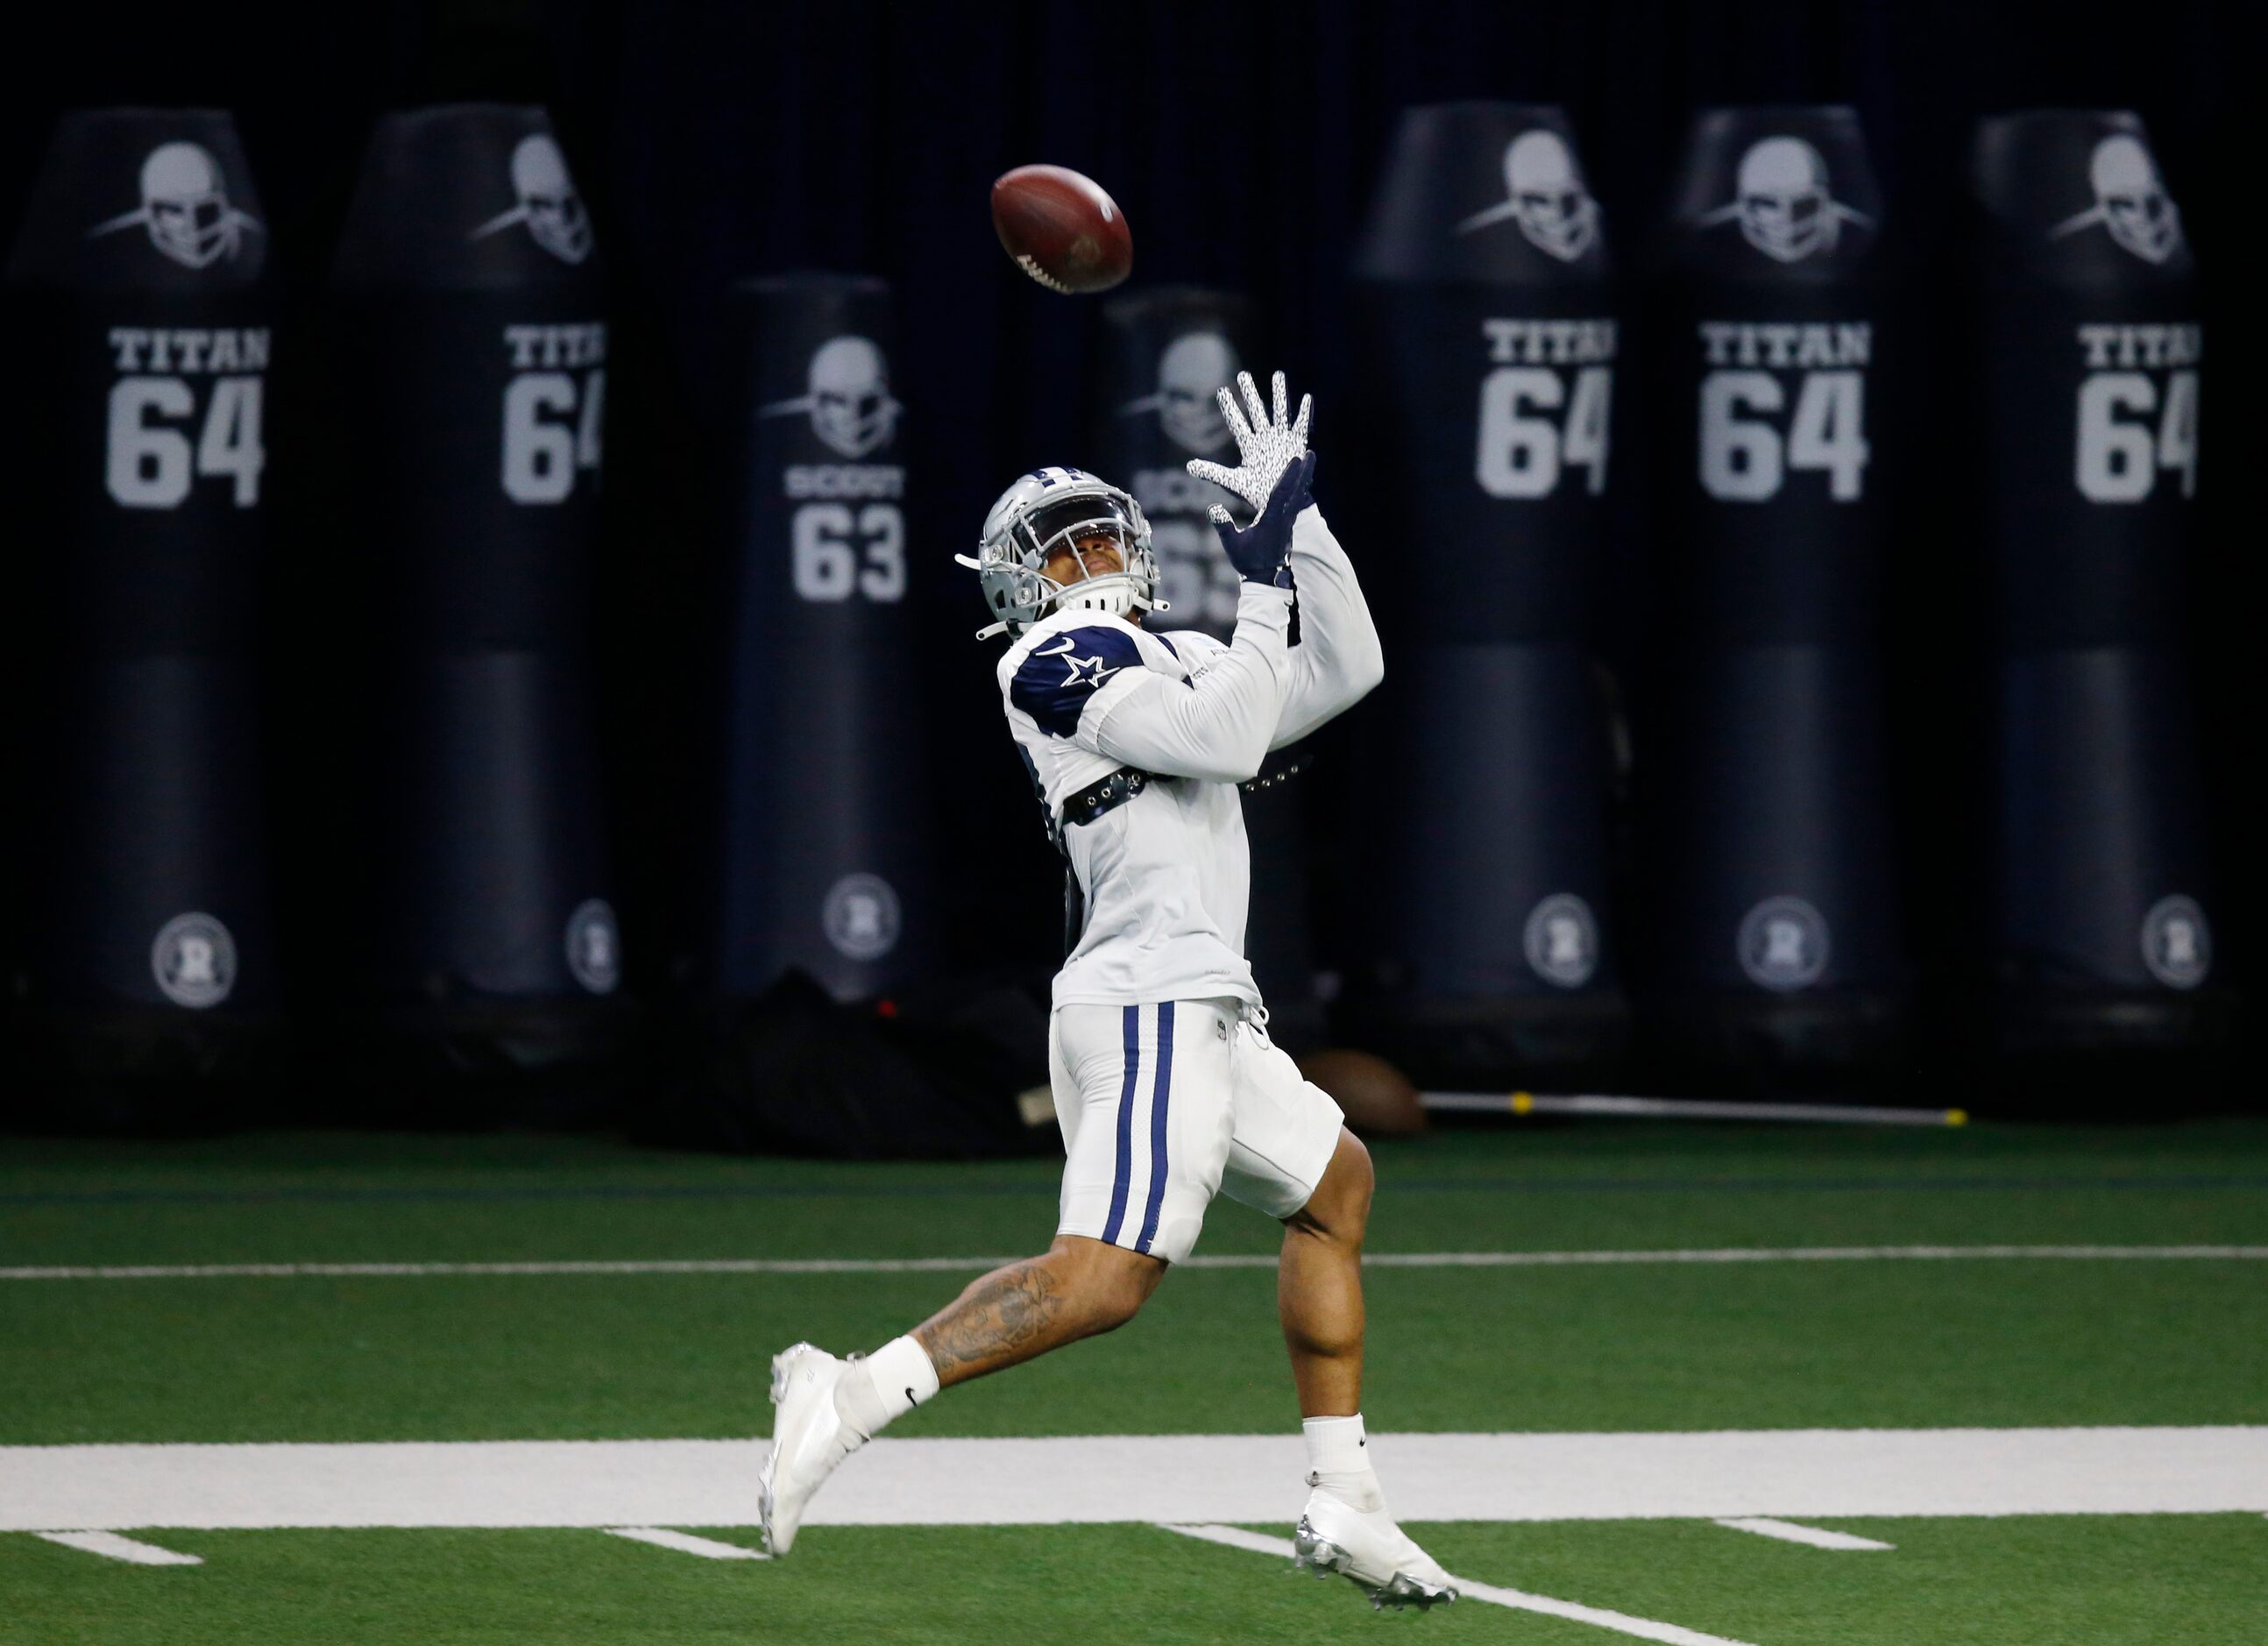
(1056, 678)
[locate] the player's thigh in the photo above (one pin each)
(1063, 1081)
(1287, 1128)
(1142, 1096)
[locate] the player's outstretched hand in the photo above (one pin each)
(1260, 550)
(1267, 445)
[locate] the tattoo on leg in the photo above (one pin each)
(1001, 1314)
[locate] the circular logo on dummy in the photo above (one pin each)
(193, 961)
(2176, 942)
(594, 945)
(1561, 941)
(860, 917)
(1782, 944)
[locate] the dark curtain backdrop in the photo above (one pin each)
(719, 141)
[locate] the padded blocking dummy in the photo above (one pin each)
(138, 288)
(1766, 829)
(1490, 346)
(826, 865)
(469, 378)
(2104, 898)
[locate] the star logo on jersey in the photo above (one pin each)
(1087, 671)
(1084, 671)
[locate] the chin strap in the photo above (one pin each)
(1136, 601)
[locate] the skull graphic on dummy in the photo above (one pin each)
(1782, 202)
(1194, 367)
(189, 214)
(851, 408)
(1546, 193)
(184, 208)
(551, 208)
(2130, 201)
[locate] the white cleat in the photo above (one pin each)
(808, 1439)
(1366, 1547)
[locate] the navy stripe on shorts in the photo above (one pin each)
(1158, 1126)
(1122, 1179)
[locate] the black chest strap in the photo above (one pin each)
(1105, 796)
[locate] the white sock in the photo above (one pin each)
(1338, 1461)
(885, 1386)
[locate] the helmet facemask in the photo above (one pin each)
(1057, 528)
(1025, 531)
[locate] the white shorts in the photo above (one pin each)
(1163, 1106)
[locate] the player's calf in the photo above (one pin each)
(1077, 1289)
(1319, 1284)
(826, 1408)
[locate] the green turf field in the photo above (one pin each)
(1644, 1350)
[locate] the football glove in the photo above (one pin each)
(1259, 552)
(1266, 446)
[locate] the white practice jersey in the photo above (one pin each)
(1167, 874)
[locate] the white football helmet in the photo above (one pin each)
(1045, 510)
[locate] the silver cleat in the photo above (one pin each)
(809, 1440)
(1313, 1552)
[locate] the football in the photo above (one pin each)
(1377, 1098)
(1062, 229)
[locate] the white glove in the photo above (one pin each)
(1268, 445)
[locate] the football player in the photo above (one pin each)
(1167, 1087)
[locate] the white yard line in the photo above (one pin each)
(427, 1271)
(686, 1543)
(1805, 1254)
(1788, 1532)
(1255, 1260)
(1829, 1474)
(1519, 1600)
(112, 1546)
